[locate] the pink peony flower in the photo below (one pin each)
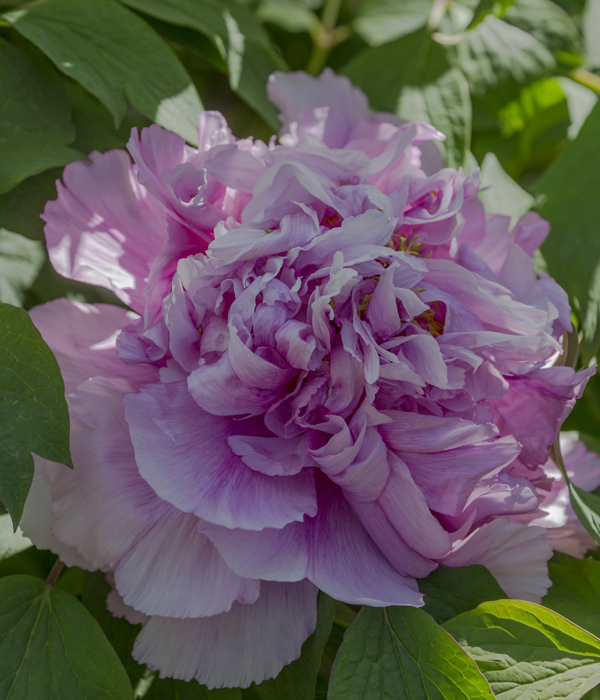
(338, 374)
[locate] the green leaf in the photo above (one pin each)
(171, 689)
(587, 509)
(242, 42)
(382, 72)
(504, 195)
(20, 262)
(298, 680)
(33, 410)
(35, 117)
(446, 104)
(51, 647)
(572, 251)
(494, 52)
(381, 21)
(575, 592)
(11, 542)
(450, 591)
(546, 21)
(402, 653)
(291, 15)
(118, 631)
(113, 53)
(528, 652)
(20, 208)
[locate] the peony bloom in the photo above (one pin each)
(335, 374)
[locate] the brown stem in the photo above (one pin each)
(55, 572)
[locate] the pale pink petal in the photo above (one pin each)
(248, 644)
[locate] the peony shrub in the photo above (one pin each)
(335, 372)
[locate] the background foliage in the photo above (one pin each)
(514, 86)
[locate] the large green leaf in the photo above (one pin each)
(572, 251)
(20, 262)
(113, 53)
(494, 52)
(51, 648)
(11, 542)
(587, 508)
(35, 117)
(402, 653)
(450, 591)
(33, 410)
(575, 592)
(528, 652)
(243, 43)
(381, 21)
(445, 103)
(297, 681)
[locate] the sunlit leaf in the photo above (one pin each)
(402, 653)
(113, 54)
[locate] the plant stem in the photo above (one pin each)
(325, 37)
(585, 77)
(55, 572)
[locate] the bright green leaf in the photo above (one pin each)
(402, 653)
(446, 104)
(20, 262)
(450, 591)
(113, 53)
(572, 251)
(575, 592)
(504, 195)
(297, 681)
(494, 52)
(11, 542)
(381, 21)
(528, 652)
(243, 43)
(33, 410)
(35, 117)
(52, 648)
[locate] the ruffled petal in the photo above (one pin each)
(248, 644)
(182, 452)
